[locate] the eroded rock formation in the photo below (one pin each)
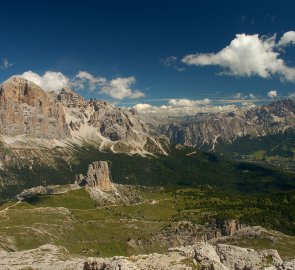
(98, 176)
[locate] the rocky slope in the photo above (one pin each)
(210, 128)
(31, 116)
(198, 256)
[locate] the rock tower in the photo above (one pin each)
(98, 176)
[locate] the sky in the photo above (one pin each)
(153, 53)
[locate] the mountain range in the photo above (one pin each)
(150, 185)
(28, 113)
(48, 137)
(209, 129)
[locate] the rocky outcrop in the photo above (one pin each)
(25, 109)
(187, 233)
(198, 256)
(70, 99)
(211, 128)
(46, 190)
(244, 258)
(98, 176)
(226, 226)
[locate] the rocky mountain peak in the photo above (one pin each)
(208, 130)
(70, 99)
(26, 109)
(21, 90)
(28, 112)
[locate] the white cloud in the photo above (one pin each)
(238, 96)
(84, 77)
(49, 81)
(272, 94)
(143, 107)
(182, 107)
(287, 39)
(167, 110)
(242, 96)
(187, 102)
(117, 88)
(120, 88)
(5, 64)
(245, 56)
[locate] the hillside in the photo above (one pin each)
(153, 220)
(183, 166)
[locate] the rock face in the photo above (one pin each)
(198, 256)
(98, 176)
(25, 109)
(121, 129)
(70, 99)
(208, 129)
(244, 258)
(188, 233)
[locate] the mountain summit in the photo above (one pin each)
(25, 109)
(28, 112)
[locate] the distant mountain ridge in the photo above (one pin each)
(197, 131)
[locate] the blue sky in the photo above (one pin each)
(145, 43)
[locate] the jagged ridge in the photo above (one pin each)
(259, 121)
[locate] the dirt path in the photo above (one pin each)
(3, 211)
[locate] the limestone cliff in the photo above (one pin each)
(29, 112)
(25, 109)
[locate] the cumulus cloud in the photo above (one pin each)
(182, 107)
(272, 94)
(84, 78)
(187, 102)
(5, 64)
(120, 88)
(287, 39)
(49, 81)
(167, 110)
(143, 107)
(117, 88)
(248, 55)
